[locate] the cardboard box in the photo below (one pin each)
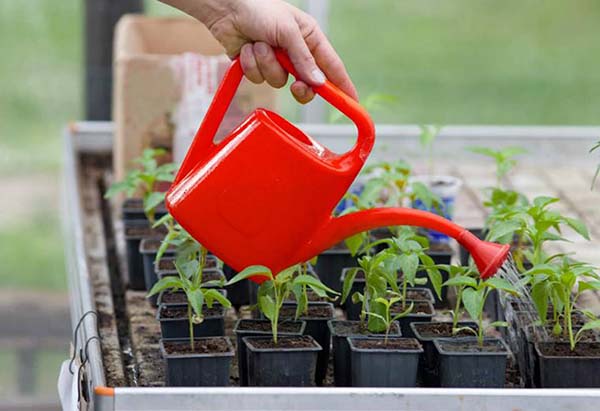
(147, 86)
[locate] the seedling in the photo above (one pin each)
(594, 148)
(277, 288)
(458, 279)
(386, 317)
(504, 159)
(176, 236)
(535, 224)
(554, 281)
(474, 295)
(144, 181)
(407, 253)
(196, 291)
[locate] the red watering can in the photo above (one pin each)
(265, 194)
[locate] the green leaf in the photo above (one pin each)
(196, 300)
(252, 271)
(592, 325)
(501, 284)
(461, 281)
(497, 324)
(544, 201)
(349, 277)
(354, 243)
(313, 283)
(404, 313)
(165, 283)
(472, 302)
(409, 264)
(212, 294)
(578, 226)
(539, 295)
(152, 200)
(267, 306)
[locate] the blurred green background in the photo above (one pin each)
(448, 62)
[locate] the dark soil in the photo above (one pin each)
(312, 296)
(175, 298)
(314, 311)
(349, 328)
(392, 344)
(285, 342)
(182, 312)
(439, 330)
(203, 346)
(471, 347)
(265, 326)
(564, 350)
(586, 336)
(417, 295)
(419, 307)
(141, 232)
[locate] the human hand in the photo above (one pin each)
(252, 28)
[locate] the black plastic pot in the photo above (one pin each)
(384, 366)
(148, 249)
(259, 328)
(429, 366)
(339, 331)
(281, 365)
(167, 263)
(353, 310)
(178, 326)
(331, 263)
(209, 369)
(319, 313)
(177, 298)
(462, 364)
(579, 370)
(239, 293)
(423, 311)
(134, 232)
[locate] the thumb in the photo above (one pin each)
(301, 57)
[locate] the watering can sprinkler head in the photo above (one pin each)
(488, 256)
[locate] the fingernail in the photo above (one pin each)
(261, 49)
(318, 76)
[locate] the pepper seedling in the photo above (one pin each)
(457, 276)
(553, 282)
(474, 294)
(503, 158)
(277, 288)
(197, 292)
(144, 180)
(386, 316)
(176, 236)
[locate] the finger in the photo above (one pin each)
(268, 65)
(249, 66)
(301, 57)
(329, 61)
(302, 92)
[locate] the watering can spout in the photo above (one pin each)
(488, 257)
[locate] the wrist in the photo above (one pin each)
(211, 11)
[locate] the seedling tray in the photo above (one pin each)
(87, 149)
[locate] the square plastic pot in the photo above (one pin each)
(463, 368)
(340, 330)
(249, 328)
(281, 367)
(133, 209)
(212, 326)
(429, 366)
(378, 367)
(316, 327)
(424, 316)
(558, 371)
(134, 232)
(198, 370)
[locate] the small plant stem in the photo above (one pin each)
(569, 325)
(457, 308)
(191, 325)
(404, 294)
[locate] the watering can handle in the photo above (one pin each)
(204, 139)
